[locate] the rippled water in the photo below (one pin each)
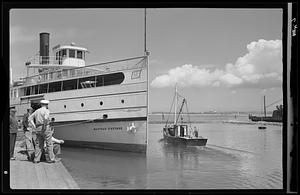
(237, 156)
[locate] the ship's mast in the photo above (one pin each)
(265, 106)
(145, 46)
(175, 107)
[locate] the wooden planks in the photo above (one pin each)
(27, 175)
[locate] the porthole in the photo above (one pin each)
(122, 101)
(101, 103)
(82, 104)
(65, 106)
(105, 116)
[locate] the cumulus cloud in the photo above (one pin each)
(261, 66)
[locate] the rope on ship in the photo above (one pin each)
(81, 122)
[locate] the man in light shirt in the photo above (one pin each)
(43, 132)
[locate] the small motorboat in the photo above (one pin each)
(180, 132)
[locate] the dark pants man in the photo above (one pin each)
(12, 142)
(42, 136)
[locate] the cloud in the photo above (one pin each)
(261, 67)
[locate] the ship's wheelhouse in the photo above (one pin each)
(69, 55)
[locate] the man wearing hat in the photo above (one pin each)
(43, 131)
(13, 130)
(29, 140)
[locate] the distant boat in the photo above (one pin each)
(179, 133)
(276, 115)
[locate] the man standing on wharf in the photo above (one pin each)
(43, 131)
(13, 130)
(28, 135)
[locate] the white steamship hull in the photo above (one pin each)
(114, 134)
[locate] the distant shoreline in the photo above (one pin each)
(212, 113)
(225, 122)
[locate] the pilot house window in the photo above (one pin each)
(72, 53)
(79, 54)
(64, 53)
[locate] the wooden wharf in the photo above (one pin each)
(25, 174)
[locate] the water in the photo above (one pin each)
(238, 155)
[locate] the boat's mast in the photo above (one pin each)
(145, 25)
(175, 107)
(265, 106)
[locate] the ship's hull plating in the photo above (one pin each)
(115, 134)
(188, 142)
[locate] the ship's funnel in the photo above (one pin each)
(44, 48)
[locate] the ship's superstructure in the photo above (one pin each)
(101, 105)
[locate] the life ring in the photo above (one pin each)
(131, 128)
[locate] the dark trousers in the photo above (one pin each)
(42, 137)
(29, 140)
(12, 143)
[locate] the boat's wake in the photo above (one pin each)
(231, 149)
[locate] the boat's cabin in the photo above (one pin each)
(69, 55)
(177, 130)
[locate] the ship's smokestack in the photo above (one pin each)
(44, 47)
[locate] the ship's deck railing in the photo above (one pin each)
(94, 69)
(55, 60)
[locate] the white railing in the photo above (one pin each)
(56, 60)
(95, 69)
(45, 60)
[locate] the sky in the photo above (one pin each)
(220, 59)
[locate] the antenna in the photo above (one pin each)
(145, 30)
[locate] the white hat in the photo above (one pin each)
(44, 101)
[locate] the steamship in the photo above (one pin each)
(99, 105)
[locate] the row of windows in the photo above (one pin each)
(72, 54)
(87, 82)
(101, 103)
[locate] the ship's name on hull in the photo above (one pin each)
(107, 128)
